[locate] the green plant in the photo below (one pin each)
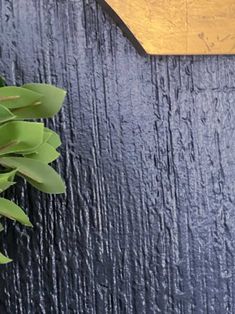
(27, 147)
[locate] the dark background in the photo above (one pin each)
(148, 222)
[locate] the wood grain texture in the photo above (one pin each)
(148, 222)
(180, 27)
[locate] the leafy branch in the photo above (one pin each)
(27, 147)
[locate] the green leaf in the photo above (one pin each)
(5, 114)
(38, 174)
(14, 212)
(50, 103)
(20, 137)
(26, 148)
(7, 180)
(45, 153)
(1, 227)
(13, 97)
(4, 259)
(53, 138)
(46, 136)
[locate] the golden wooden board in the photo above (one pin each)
(180, 26)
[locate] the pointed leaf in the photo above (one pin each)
(14, 212)
(4, 259)
(13, 97)
(5, 114)
(20, 137)
(40, 175)
(7, 180)
(53, 138)
(50, 103)
(45, 153)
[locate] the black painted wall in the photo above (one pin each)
(148, 222)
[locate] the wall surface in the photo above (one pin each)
(148, 222)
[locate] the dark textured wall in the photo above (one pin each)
(148, 222)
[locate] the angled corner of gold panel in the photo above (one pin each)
(179, 27)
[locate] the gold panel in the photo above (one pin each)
(180, 27)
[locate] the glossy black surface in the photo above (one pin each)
(148, 222)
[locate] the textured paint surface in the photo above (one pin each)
(180, 26)
(148, 222)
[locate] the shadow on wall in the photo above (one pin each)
(123, 26)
